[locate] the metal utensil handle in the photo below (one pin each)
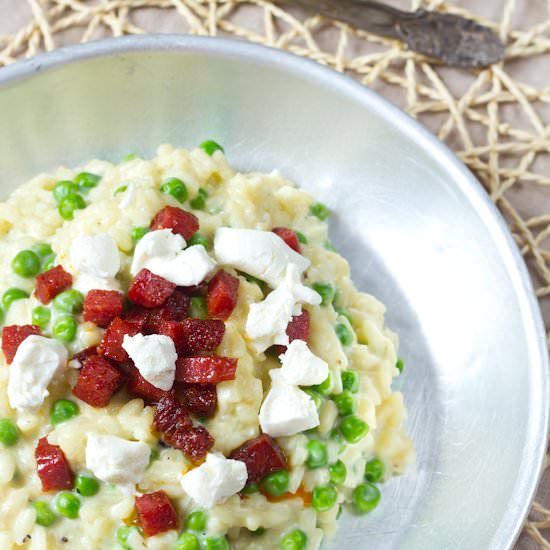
(377, 18)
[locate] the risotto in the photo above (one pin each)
(186, 363)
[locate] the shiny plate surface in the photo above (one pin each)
(417, 228)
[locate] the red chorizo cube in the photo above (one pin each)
(202, 334)
(297, 329)
(205, 369)
(13, 335)
(193, 442)
(262, 456)
(52, 467)
(171, 415)
(137, 386)
(98, 380)
(222, 295)
(290, 238)
(102, 306)
(111, 344)
(174, 330)
(176, 306)
(156, 513)
(176, 219)
(200, 400)
(50, 283)
(150, 290)
(136, 316)
(78, 359)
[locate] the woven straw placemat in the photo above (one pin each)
(496, 120)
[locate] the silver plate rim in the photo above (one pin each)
(511, 523)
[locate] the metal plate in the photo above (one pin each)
(418, 229)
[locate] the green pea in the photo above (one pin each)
(400, 364)
(276, 484)
(122, 535)
(345, 403)
(86, 181)
(216, 543)
(67, 504)
(344, 333)
(325, 387)
(43, 250)
(9, 433)
(326, 291)
(45, 516)
(64, 189)
(337, 472)
(250, 489)
(139, 232)
(26, 264)
(69, 204)
(324, 498)
(301, 237)
(64, 328)
(374, 470)
(350, 380)
(344, 313)
(175, 188)
(365, 498)
(120, 189)
(87, 486)
(319, 210)
(11, 295)
(196, 521)
(48, 263)
(317, 399)
(199, 202)
(317, 454)
(69, 301)
(198, 308)
(187, 541)
(154, 455)
(210, 147)
(41, 316)
(63, 410)
(197, 238)
(129, 157)
(295, 540)
(354, 429)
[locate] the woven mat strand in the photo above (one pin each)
(496, 120)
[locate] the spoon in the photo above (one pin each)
(451, 39)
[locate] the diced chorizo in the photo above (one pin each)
(156, 513)
(176, 219)
(297, 329)
(50, 283)
(171, 415)
(111, 344)
(200, 400)
(202, 334)
(205, 369)
(13, 335)
(102, 306)
(137, 386)
(262, 456)
(193, 442)
(150, 290)
(98, 380)
(289, 236)
(223, 290)
(52, 467)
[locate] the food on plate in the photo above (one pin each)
(186, 363)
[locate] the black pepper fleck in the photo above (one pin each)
(64, 539)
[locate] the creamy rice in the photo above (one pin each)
(252, 200)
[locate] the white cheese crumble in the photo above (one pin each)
(154, 357)
(287, 410)
(301, 367)
(267, 321)
(262, 254)
(115, 460)
(94, 262)
(161, 252)
(37, 362)
(215, 480)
